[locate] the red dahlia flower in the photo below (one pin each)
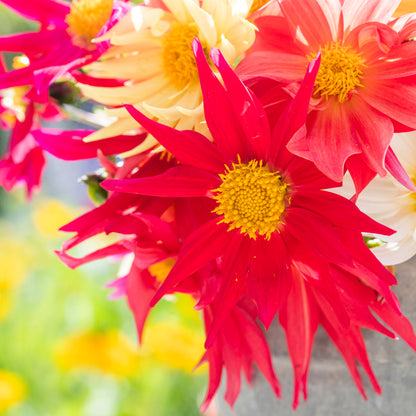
(63, 42)
(366, 85)
(276, 236)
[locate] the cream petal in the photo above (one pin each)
(396, 252)
(204, 21)
(129, 94)
(120, 126)
(147, 144)
(227, 49)
(137, 67)
(178, 9)
(404, 146)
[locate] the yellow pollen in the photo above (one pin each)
(177, 56)
(86, 19)
(340, 72)
(252, 198)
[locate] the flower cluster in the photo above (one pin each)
(228, 130)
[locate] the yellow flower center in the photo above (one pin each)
(86, 18)
(340, 72)
(177, 56)
(257, 4)
(252, 198)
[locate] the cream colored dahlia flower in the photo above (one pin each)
(151, 51)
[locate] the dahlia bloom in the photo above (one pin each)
(365, 88)
(270, 201)
(393, 205)
(63, 42)
(151, 51)
(21, 110)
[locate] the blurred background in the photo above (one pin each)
(65, 348)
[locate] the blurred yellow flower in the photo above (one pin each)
(406, 6)
(13, 390)
(51, 214)
(15, 260)
(161, 270)
(174, 344)
(110, 352)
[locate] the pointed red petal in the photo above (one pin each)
(189, 147)
(248, 109)
(69, 145)
(219, 113)
(299, 318)
(180, 181)
(204, 244)
(397, 322)
(140, 289)
(234, 268)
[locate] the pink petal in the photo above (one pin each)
(359, 12)
(44, 11)
(373, 132)
(399, 62)
(73, 262)
(180, 181)
(394, 166)
(29, 44)
(316, 20)
(274, 34)
(330, 141)
(395, 98)
(69, 145)
(361, 174)
(280, 66)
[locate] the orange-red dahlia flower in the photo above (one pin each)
(366, 85)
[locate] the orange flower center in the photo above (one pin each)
(86, 19)
(340, 72)
(252, 198)
(177, 56)
(257, 4)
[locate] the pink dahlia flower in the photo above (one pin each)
(64, 40)
(277, 238)
(366, 85)
(21, 110)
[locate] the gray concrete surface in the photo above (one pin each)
(331, 389)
